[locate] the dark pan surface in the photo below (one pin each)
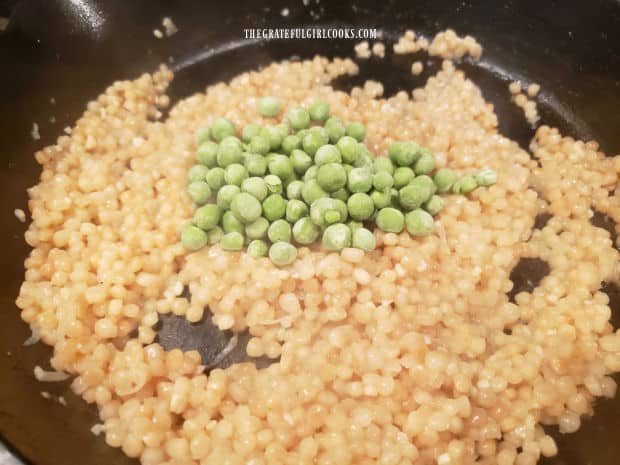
(70, 50)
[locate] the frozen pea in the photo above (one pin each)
(320, 211)
(229, 153)
(332, 216)
(193, 238)
(353, 225)
(235, 173)
(268, 106)
(434, 205)
(282, 253)
(202, 135)
(207, 217)
(383, 164)
(290, 143)
(341, 194)
(305, 232)
(335, 129)
(403, 175)
(357, 131)
(295, 209)
(427, 181)
(349, 149)
(231, 223)
(226, 195)
(311, 142)
(249, 131)
(425, 164)
(311, 173)
(444, 179)
(327, 154)
(215, 235)
(419, 222)
(336, 237)
(274, 207)
(257, 248)
(360, 206)
(365, 159)
(256, 165)
(390, 220)
(259, 144)
(197, 173)
(216, 178)
(273, 183)
(279, 231)
(284, 129)
(348, 168)
(486, 177)
(381, 199)
(383, 181)
(312, 191)
(298, 117)
(199, 192)
(293, 189)
(257, 229)
(274, 135)
(301, 161)
(404, 153)
(331, 177)
(232, 241)
(207, 154)
(360, 180)
(319, 110)
(281, 166)
(246, 207)
(363, 239)
(465, 185)
(222, 128)
(414, 194)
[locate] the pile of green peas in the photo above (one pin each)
(310, 178)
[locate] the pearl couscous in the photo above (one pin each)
(410, 354)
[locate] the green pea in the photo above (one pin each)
(273, 135)
(486, 177)
(381, 199)
(290, 143)
(299, 118)
(249, 132)
(319, 111)
(207, 217)
(260, 144)
(257, 248)
(257, 229)
(202, 135)
(383, 181)
(425, 164)
(295, 209)
(273, 183)
(348, 168)
(419, 222)
(360, 206)
(465, 185)
(274, 207)
(221, 128)
(353, 225)
(357, 131)
(199, 192)
(229, 153)
(331, 177)
(193, 238)
(383, 164)
(349, 149)
(341, 194)
(284, 129)
(434, 205)
(390, 220)
(312, 191)
(197, 173)
(293, 190)
(414, 194)
(311, 142)
(427, 181)
(232, 241)
(246, 207)
(360, 180)
(403, 175)
(256, 165)
(235, 174)
(302, 133)
(335, 129)
(256, 187)
(231, 223)
(327, 154)
(268, 106)
(207, 154)
(305, 232)
(215, 235)
(365, 159)
(301, 161)
(279, 231)
(311, 173)
(216, 178)
(321, 208)
(225, 196)
(403, 153)
(282, 253)
(336, 237)
(363, 239)
(280, 166)
(444, 179)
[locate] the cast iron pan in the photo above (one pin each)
(70, 50)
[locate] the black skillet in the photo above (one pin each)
(69, 50)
